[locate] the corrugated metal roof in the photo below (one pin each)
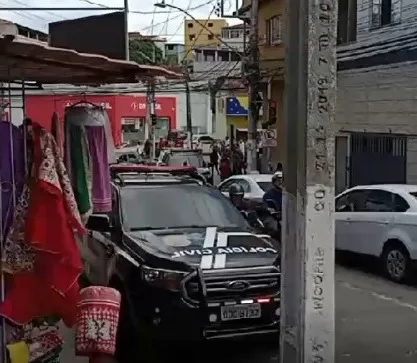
(31, 60)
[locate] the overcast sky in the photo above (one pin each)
(166, 23)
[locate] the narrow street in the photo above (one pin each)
(376, 320)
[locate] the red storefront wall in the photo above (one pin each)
(41, 107)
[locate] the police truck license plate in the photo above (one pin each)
(236, 312)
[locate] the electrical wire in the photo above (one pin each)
(26, 16)
(132, 11)
(165, 26)
(203, 27)
(181, 14)
(48, 12)
(181, 23)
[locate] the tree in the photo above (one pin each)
(144, 51)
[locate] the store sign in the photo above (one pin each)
(105, 105)
(142, 106)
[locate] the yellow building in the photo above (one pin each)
(196, 35)
(272, 62)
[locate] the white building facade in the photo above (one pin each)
(376, 128)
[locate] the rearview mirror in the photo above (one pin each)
(99, 223)
(344, 208)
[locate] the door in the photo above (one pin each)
(341, 174)
(133, 130)
(343, 216)
(371, 221)
(377, 159)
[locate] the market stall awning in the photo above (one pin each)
(30, 60)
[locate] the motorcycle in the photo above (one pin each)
(266, 219)
(272, 219)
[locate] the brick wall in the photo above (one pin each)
(381, 101)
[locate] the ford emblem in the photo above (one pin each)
(238, 285)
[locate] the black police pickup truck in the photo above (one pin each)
(187, 263)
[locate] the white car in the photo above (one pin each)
(254, 185)
(203, 142)
(380, 221)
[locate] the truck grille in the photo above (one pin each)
(217, 284)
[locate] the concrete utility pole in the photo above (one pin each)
(148, 121)
(126, 18)
(150, 124)
(153, 118)
(188, 107)
(254, 78)
(307, 311)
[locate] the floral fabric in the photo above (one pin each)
(18, 254)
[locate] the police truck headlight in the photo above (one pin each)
(165, 279)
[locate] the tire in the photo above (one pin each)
(126, 343)
(133, 346)
(396, 262)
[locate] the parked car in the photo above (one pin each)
(128, 155)
(203, 142)
(380, 221)
(254, 185)
(187, 264)
(180, 157)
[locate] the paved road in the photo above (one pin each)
(376, 320)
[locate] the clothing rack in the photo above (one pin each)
(53, 66)
(9, 92)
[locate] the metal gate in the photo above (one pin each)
(377, 159)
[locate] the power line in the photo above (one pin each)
(31, 17)
(168, 17)
(180, 24)
(203, 27)
(49, 12)
(181, 14)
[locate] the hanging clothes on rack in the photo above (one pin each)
(89, 150)
(82, 170)
(12, 172)
(102, 197)
(41, 251)
(57, 132)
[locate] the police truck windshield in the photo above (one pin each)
(177, 206)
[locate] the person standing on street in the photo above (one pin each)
(225, 169)
(237, 159)
(242, 146)
(147, 149)
(214, 158)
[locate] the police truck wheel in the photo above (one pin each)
(127, 342)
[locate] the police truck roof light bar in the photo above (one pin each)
(151, 169)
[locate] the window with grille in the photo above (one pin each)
(274, 30)
(385, 12)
